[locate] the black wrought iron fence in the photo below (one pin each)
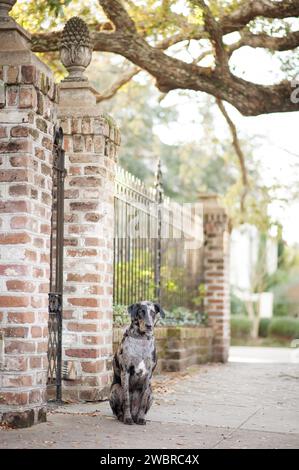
(134, 247)
(157, 245)
(56, 270)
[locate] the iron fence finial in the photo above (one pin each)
(159, 182)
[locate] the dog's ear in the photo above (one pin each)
(159, 309)
(132, 310)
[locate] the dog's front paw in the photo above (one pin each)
(128, 420)
(141, 421)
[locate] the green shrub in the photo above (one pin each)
(241, 326)
(281, 309)
(237, 306)
(177, 316)
(183, 316)
(120, 315)
(286, 327)
(264, 327)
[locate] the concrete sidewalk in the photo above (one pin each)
(237, 405)
(264, 355)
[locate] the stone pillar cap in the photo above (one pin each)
(208, 198)
(16, 37)
(80, 92)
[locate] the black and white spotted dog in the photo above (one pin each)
(133, 365)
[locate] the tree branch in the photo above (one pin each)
(120, 82)
(215, 33)
(251, 9)
(118, 15)
(239, 152)
(249, 98)
(285, 43)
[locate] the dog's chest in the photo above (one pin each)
(138, 354)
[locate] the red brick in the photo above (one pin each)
(38, 272)
(12, 96)
(47, 143)
(74, 170)
(28, 74)
(15, 146)
(83, 302)
(40, 103)
(14, 238)
(12, 74)
(27, 97)
(14, 346)
(14, 175)
(19, 190)
(82, 327)
(13, 301)
(16, 332)
(3, 132)
(18, 381)
(35, 362)
(16, 363)
(92, 241)
(42, 347)
(92, 339)
(36, 332)
(86, 181)
(31, 255)
(19, 131)
(93, 217)
(81, 253)
(20, 286)
(83, 277)
(36, 302)
(93, 367)
(21, 317)
(41, 124)
(35, 396)
(83, 206)
(92, 353)
(21, 221)
(13, 270)
(91, 315)
(13, 398)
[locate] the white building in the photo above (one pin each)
(244, 256)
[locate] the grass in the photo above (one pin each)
(261, 342)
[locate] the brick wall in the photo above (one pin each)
(26, 132)
(90, 141)
(216, 274)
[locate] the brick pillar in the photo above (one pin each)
(216, 274)
(27, 94)
(90, 141)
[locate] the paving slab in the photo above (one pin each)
(236, 405)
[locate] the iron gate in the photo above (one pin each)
(56, 270)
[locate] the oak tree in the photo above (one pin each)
(145, 32)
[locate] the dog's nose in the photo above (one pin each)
(149, 327)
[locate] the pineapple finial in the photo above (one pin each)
(75, 48)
